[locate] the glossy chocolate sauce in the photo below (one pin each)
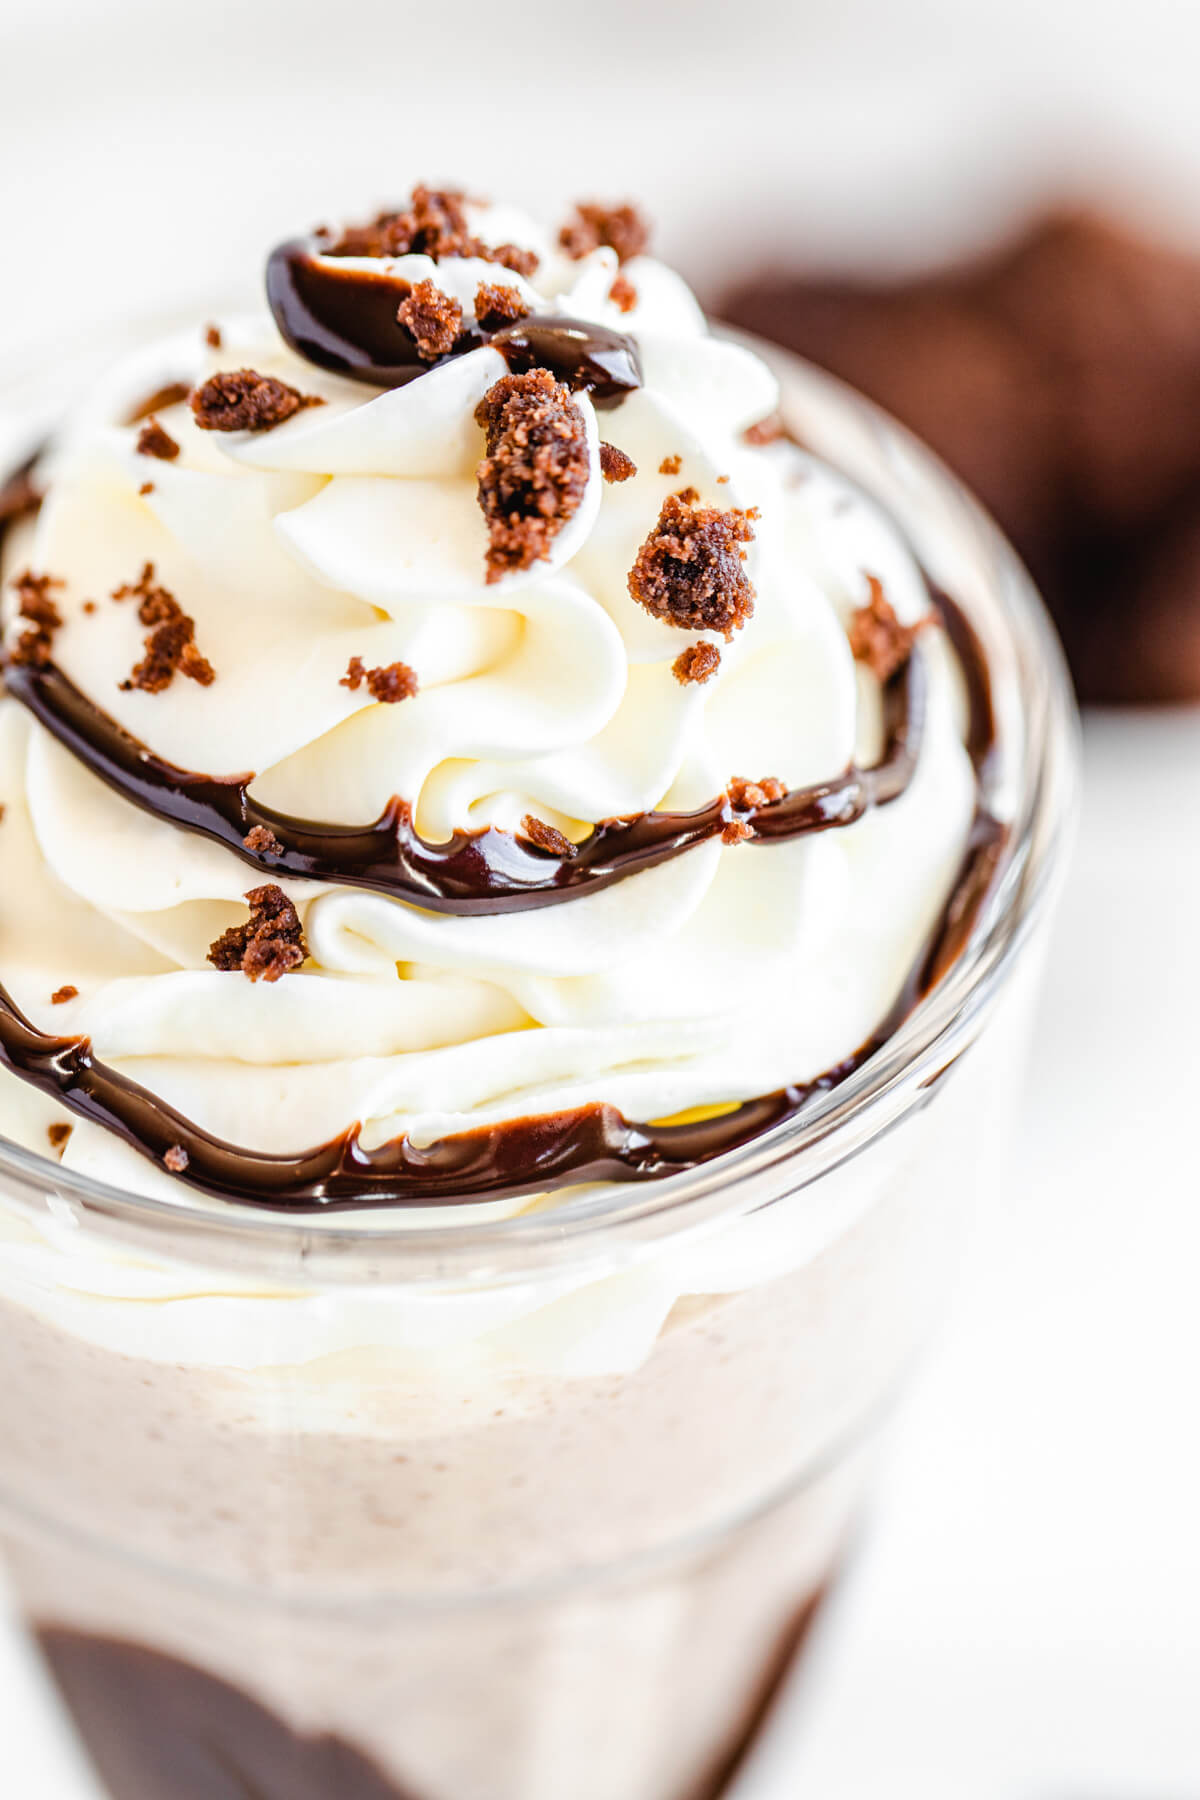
(486, 871)
(531, 1155)
(161, 1729)
(344, 319)
(158, 1728)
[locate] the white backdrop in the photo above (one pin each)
(1024, 1623)
(150, 148)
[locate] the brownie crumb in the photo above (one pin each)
(736, 832)
(747, 796)
(34, 604)
(689, 572)
(434, 224)
(268, 945)
(262, 841)
(698, 662)
(546, 837)
(390, 684)
(722, 480)
(765, 431)
(244, 400)
(89, 606)
(58, 1135)
(154, 441)
(689, 495)
(623, 294)
(170, 648)
(212, 336)
(670, 465)
(147, 487)
(173, 394)
(877, 637)
(432, 319)
(621, 228)
(3, 810)
(615, 465)
(496, 307)
(535, 472)
(176, 1159)
(61, 995)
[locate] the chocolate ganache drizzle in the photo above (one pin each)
(488, 871)
(343, 319)
(588, 1143)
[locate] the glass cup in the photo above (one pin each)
(526, 1508)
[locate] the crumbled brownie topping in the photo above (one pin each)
(736, 832)
(389, 684)
(173, 394)
(877, 637)
(3, 810)
(176, 1159)
(269, 944)
(546, 837)
(434, 224)
(536, 468)
(496, 307)
(622, 228)
(147, 487)
(670, 465)
(61, 995)
(615, 465)
(432, 319)
(747, 796)
(170, 648)
(58, 1135)
(33, 647)
(689, 495)
(697, 663)
(765, 431)
(212, 336)
(262, 841)
(689, 572)
(623, 294)
(722, 480)
(154, 441)
(244, 400)
(89, 606)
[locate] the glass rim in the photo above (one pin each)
(623, 1220)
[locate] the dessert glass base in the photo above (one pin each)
(317, 1509)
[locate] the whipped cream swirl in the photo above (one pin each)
(354, 530)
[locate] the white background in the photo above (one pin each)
(1023, 1621)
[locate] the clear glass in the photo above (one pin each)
(540, 1507)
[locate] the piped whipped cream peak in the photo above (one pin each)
(455, 743)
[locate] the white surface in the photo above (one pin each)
(1023, 1621)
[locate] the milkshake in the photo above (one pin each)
(527, 830)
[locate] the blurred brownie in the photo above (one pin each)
(1060, 376)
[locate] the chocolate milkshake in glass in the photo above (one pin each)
(526, 837)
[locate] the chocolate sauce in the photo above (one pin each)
(531, 1155)
(161, 1729)
(344, 319)
(487, 871)
(158, 1728)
